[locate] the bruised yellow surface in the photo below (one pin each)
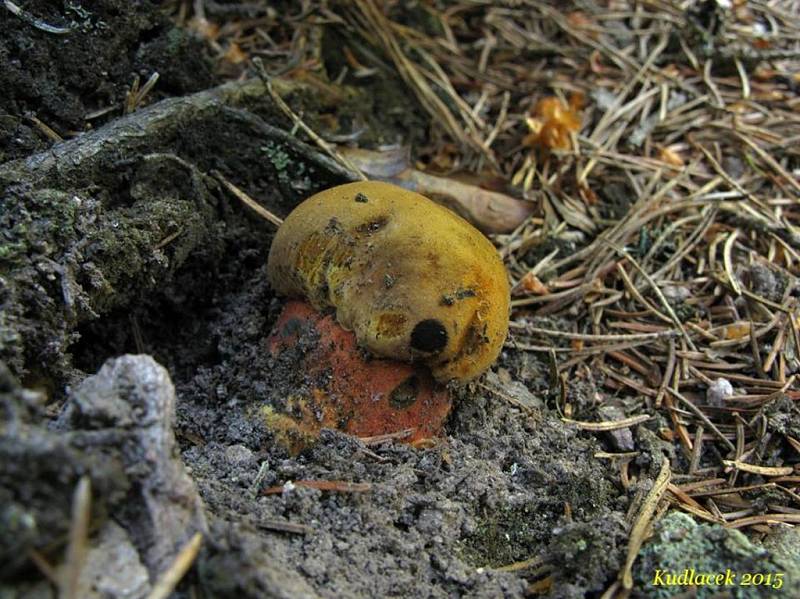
(411, 279)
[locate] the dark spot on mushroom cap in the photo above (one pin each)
(373, 226)
(465, 293)
(334, 227)
(361, 198)
(448, 299)
(429, 336)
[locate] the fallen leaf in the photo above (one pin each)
(204, 28)
(552, 122)
(532, 285)
(671, 157)
(234, 54)
(737, 330)
(580, 20)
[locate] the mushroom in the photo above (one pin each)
(325, 382)
(411, 279)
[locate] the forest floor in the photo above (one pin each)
(637, 166)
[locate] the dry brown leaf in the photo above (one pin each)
(490, 211)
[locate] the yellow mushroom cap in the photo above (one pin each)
(411, 279)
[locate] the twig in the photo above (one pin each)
(643, 520)
(609, 425)
(697, 412)
(340, 486)
(298, 122)
(78, 539)
(38, 23)
(248, 201)
(170, 578)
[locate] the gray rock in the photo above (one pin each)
(764, 282)
(39, 469)
(135, 393)
(718, 392)
(676, 293)
(239, 455)
(622, 438)
(502, 382)
(113, 569)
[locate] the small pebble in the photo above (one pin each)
(238, 455)
(763, 281)
(718, 392)
(676, 293)
(621, 439)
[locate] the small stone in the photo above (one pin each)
(763, 281)
(622, 438)
(676, 293)
(503, 382)
(135, 393)
(238, 455)
(733, 165)
(113, 567)
(718, 392)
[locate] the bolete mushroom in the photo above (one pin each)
(333, 385)
(412, 280)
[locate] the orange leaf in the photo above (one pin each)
(736, 330)
(204, 27)
(234, 54)
(587, 194)
(671, 157)
(531, 283)
(580, 21)
(552, 122)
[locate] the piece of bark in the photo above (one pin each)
(145, 130)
